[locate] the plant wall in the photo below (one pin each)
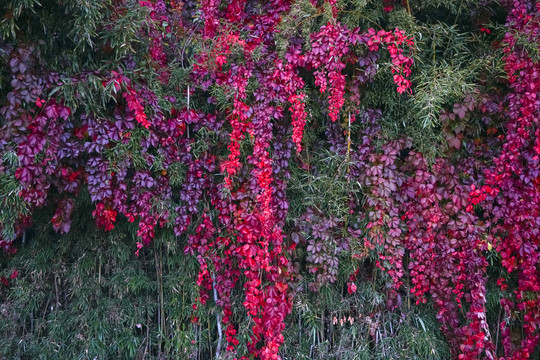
(270, 179)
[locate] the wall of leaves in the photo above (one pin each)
(343, 179)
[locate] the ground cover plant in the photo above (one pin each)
(344, 179)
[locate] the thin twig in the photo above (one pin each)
(187, 125)
(349, 144)
(56, 291)
(218, 319)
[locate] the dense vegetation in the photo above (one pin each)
(339, 179)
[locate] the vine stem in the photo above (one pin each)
(218, 319)
(349, 144)
(188, 110)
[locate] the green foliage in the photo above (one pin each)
(326, 190)
(13, 10)
(332, 325)
(94, 298)
(11, 205)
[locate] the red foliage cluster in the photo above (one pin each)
(158, 29)
(330, 52)
(401, 63)
(516, 173)
(131, 96)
